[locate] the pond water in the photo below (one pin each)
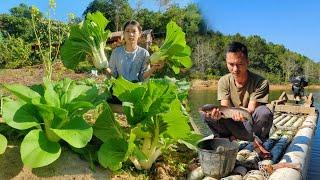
(197, 98)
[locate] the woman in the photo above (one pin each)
(131, 60)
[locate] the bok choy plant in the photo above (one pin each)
(174, 50)
(3, 139)
(156, 120)
(52, 112)
(3, 144)
(87, 39)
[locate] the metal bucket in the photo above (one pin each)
(217, 156)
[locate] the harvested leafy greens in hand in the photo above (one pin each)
(174, 50)
(87, 39)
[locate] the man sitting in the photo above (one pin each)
(241, 88)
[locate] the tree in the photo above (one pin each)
(149, 19)
(192, 19)
(188, 18)
(116, 11)
(22, 10)
(257, 51)
(289, 65)
(16, 26)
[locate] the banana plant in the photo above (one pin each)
(53, 112)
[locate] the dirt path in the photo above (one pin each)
(68, 166)
(34, 74)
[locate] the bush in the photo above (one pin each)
(14, 53)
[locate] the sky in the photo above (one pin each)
(292, 23)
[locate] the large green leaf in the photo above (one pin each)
(70, 53)
(174, 49)
(148, 98)
(175, 39)
(38, 88)
(37, 151)
(3, 144)
(106, 127)
(50, 95)
(178, 127)
(92, 95)
(159, 96)
(52, 116)
(73, 91)
(112, 153)
(19, 115)
(127, 91)
(76, 132)
(23, 92)
(62, 86)
(78, 107)
(192, 140)
(46, 113)
(101, 23)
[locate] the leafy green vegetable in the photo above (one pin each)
(87, 39)
(174, 49)
(54, 111)
(37, 150)
(3, 144)
(156, 120)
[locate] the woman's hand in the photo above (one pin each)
(108, 71)
(157, 66)
(153, 69)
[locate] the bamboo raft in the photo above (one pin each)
(294, 125)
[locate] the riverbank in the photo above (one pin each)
(198, 84)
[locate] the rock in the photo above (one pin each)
(266, 162)
(254, 175)
(209, 178)
(196, 174)
(240, 170)
(232, 177)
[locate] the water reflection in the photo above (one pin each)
(197, 98)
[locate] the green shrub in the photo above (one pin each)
(14, 53)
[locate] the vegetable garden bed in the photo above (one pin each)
(176, 162)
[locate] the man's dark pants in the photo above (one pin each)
(262, 122)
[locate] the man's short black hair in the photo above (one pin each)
(238, 47)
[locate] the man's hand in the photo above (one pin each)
(215, 114)
(237, 116)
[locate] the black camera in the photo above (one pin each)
(298, 84)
